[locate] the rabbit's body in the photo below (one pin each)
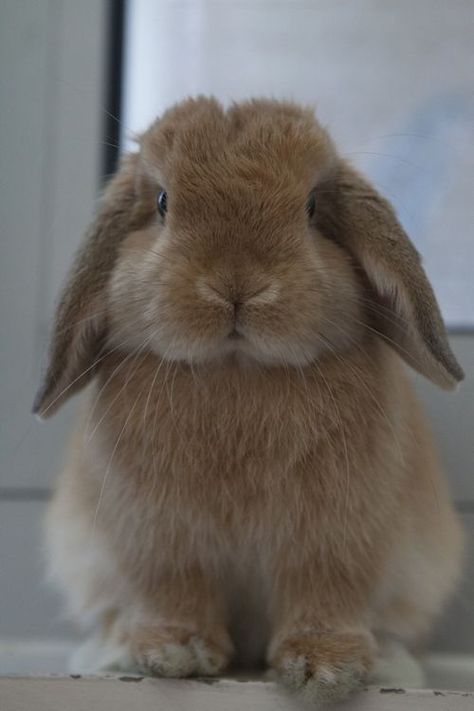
(253, 477)
(264, 495)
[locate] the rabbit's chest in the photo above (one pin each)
(216, 463)
(227, 427)
(233, 458)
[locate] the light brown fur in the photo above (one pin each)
(270, 495)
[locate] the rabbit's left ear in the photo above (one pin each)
(405, 311)
(80, 329)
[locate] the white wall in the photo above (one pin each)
(51, 87)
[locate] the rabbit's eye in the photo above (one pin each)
(311, 206)
(162, 202)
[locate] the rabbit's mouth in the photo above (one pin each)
(235, 335)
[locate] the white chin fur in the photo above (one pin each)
(244, 351)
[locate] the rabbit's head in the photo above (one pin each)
(242, 235)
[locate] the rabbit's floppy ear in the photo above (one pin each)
(80, 325)
(405, 311)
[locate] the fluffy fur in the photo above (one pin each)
(252, 477)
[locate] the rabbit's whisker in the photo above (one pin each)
(90, 367)
(109, 465)
(134, 355)
(357, 345)
(388, 155)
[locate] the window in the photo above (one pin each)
(401, 108)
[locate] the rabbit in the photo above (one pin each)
(251, 480)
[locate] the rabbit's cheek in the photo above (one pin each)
(132, 298)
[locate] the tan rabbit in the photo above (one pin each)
(252, 478)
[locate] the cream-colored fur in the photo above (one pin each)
(253, 478)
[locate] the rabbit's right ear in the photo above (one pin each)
(403, 306)
(80, 325)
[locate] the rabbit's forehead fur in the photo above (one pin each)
(199, 151)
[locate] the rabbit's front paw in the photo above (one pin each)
(324, 667)
(174, 651)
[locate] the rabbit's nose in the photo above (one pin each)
(236, 333)
(237, 298)
(237, 303)
(211, 293)
(265, 295)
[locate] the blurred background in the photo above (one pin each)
(394, 82)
